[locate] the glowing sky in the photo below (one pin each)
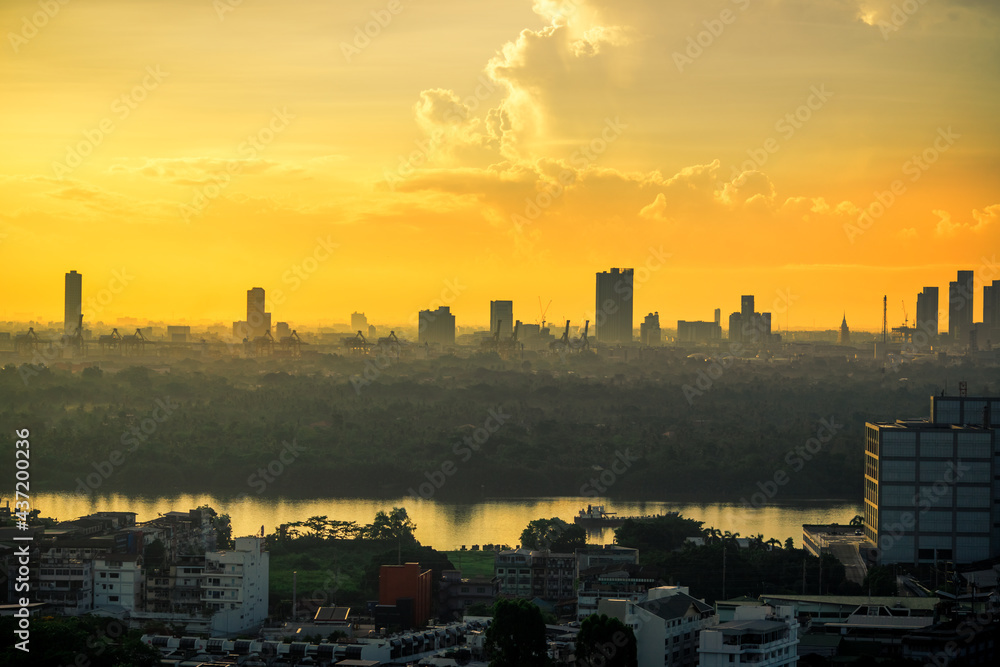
(728, 146)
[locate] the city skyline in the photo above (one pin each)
(856, 155)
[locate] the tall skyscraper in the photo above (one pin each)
(613, 321)
(927, 311)
(502, 312)
(991, 312)
(746, 307)
(258, 321)
(73, 302)
(960, 301)
(844, 337)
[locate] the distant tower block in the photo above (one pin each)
(358, 322)
(73, 302)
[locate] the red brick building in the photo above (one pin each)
(409, 590)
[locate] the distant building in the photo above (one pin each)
(927, 311)
(282, 330)
(258, 321)
(928, 490)
(178, 333)
(761, 636)
(613, 319)
(119, 583)
(542, 574)
(407, 590)
(699, 331)
(502, 315)
(436, 327)
(359, 322)
(749, 327)
(73, 302)
(457, 594)
(649, 331)
(372, 332)
(235, 586)
(960, 303)
(241, 330)
(844, 337)
(666, 624)
(991, 314)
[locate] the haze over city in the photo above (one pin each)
(217, 146)
(500, 333)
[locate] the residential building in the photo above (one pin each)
(666, 624)
(119, 583)
(542, 574)
(502, 318)
(235, 586)
(960, 304)
(699, 332)
(456, 594)
(991, 315)
(359, 322)
(629, 582)
(649, 331)
(927, 311)
(436, 327)
(762, 636)
(613, 314)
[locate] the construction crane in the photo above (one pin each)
(291, 345)
(134, 343)
(583, 343)
(27, 343)
(906, 317)
(263, 346)
(389, 345)
(543, 311)
(357, 344)
(110, 342)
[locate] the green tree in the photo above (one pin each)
(660, 534)
(553, 534)
(605, 640)
(396, 525)
(516, 638)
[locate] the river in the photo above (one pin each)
(451, 525)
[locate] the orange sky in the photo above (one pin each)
(729, 146)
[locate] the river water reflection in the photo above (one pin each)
(450, 525)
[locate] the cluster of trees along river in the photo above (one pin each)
(210, 427)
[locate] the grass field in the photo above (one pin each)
(473, 563)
